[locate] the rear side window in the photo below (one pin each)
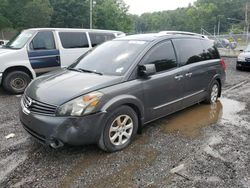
(188, 50)
(163, 56)
(99, 38)
(210, 51)
(44, 40)
(74, 39)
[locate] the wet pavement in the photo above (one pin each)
(202, 146)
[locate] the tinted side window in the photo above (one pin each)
(44, 40)
(163, 56)
(188, 50)
(98, 38)
(74, 40)
(210, 51)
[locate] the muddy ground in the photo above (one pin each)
(203, 146)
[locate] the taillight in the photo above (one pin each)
(223, 64)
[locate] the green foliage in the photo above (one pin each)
(26, 13)
(4, 22)
(107, 14)
(112, 14)
(70, 13)
(203, 14)
(32, 11)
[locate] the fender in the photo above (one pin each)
(15, 58)
(129, 100)
(216, 77)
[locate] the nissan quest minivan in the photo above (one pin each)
(37, 51)
(110, 93)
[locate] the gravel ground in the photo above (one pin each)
(202, 146)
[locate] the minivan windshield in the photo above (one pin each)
(111, 58)
(20, 40)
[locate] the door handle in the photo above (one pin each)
(189, 74)
(178, 77)
(58, 59)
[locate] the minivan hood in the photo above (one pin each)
(58, 87)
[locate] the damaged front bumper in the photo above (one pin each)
(57, 131)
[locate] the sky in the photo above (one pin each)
(142, 6)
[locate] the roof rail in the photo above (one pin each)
(182, 33)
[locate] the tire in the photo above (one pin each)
(213, 92)
(129, 120)
(15, 82)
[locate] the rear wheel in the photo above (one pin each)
(213, 93)
(120, 129)
(15, 82)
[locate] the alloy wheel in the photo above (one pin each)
(121, 130)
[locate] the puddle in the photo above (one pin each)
(190, 122)
(123, 169)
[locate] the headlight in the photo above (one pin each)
(241, 58)
(81, 105)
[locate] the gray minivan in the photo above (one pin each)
(107, 95)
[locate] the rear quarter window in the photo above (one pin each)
(188, 50)
(99, 38)
(74, 40)
(210, 51)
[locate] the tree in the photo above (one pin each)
(4, 22)
(37, 13)
(70, 13)
(112, 14)
(26, 13)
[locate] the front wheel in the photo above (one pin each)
(15, 82)
(120, 129)
(213, 93)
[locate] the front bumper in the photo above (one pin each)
(243, 64)
(1, 76)
(66, 130)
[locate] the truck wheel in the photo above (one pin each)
(120, 129)
(15, 82)
(213, 93)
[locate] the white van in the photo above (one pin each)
(37, 51)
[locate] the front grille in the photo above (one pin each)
(38, 107)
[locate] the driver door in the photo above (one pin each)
(43, 54)
(163, 91)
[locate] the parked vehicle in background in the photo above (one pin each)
(243, 60)
(107, 96)
(3, 42)
(37, 51)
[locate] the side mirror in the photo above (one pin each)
(147, 70)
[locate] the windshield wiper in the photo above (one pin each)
(73, 69)
(90, 71)
(84, 70)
